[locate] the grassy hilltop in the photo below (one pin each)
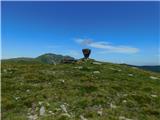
(80, 91)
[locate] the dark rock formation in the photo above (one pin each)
(86, 53)
(68, 60)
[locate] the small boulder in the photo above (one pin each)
(32, 117)
(66, 115)
(83, 118)
(63, 108)
(113, 106)
(96, 72)
(130, 75)
(42, 111)
(100, 112)
(153, 78)
(154, 96)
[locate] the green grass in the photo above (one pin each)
(80, 90)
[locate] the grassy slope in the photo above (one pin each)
(82, 92)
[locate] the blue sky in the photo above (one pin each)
(119, 32)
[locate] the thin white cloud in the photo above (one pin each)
(107, 47)
(83, 41)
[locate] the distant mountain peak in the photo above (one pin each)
(52, 58)
(49, 58)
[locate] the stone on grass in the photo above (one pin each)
(4, 70)
(51, 112)
(83, 118)
(124, 101)
(42, 111)
(154, 78)
(49, 83)
(62, 80)
(63, 108)
(66, 115)
(79, 67)
(113, 106)
(96, 72)
(100, 112)
(131, 75)
(119, 70)
(125, 95)
(40, 102)
(32, 117)
(16, 98)
(154, 96)
(123, 118)
(27, 90)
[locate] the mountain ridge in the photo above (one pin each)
(52, 58)
(48, 58)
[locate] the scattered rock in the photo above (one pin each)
(66, 115)
(49, 83)
(62, 80)
(119, 70)
(96, 72)
(16, 98)
(32, 117)
(131, 75)
(51, 112)
(27, 90)
(40, 102)
(154, 78)
(100, 112)
(113, 106)
(154, 96)
(5, 70)
(123, 118)
(97, 63)
(83, 118)
(124, 101)
(66, 104)
(63, 108)
(79, 67)
(42, 111)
